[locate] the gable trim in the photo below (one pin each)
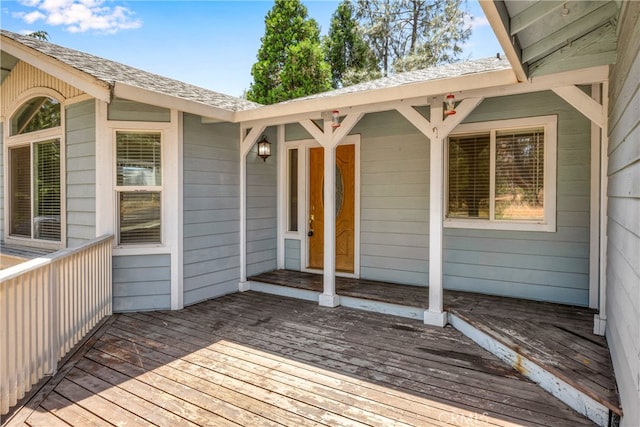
(83, 81)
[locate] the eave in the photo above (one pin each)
(376, 99)
(85, 82)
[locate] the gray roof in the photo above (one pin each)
(112, 72)
(456, 69)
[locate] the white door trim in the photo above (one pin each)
(303, 147)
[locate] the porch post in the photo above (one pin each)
(329, 298)
(437, 130)
(246, 142)
(436, 315)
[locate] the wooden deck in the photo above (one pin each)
(256, 359)
(557, 337)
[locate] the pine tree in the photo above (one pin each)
(350, 57)
(412, 34)
(290, 61)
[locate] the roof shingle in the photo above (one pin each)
(112, 72)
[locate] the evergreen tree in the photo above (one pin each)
(40, 35)
(437, 33)
(412, 34)
(290, 61)
(350, 57)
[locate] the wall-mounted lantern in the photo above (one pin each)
(264, 148)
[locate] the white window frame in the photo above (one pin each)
(30, 139)
(548, 224)
(141, 127)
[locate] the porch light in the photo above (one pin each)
(336, 118)
(450, 100)
(264, 148)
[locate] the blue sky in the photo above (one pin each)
(209, 43)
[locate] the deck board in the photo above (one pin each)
(555, 336)
(256, 359)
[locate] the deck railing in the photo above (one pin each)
(47, 305)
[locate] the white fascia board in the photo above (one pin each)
(503, 35)
(146, 96)
(85, 82)
(585, 76)
(371, 100)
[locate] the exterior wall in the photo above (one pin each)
(395, 212)
(81, 172)
(141, 282)
(2, 167)
(123, 109)
(394, 205)
(623, 228)
(211, 209)
(262, 210)
(292, 254)
(535, 265)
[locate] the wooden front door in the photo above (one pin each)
(345, 208)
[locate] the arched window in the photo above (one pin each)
(35, 172)
(36, 114)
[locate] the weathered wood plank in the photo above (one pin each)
(328, 356)
(71, 413)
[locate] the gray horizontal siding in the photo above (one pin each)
(262, 194)
(80, 172)
(394, 206)
(2, 168)
(211, 210)
(125, 110)
(535, 265)
(292, 254)
(623, 228)
(141, 282)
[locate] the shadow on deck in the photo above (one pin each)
(262, 360)
(552, 344)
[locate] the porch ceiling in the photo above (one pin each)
(543, 37)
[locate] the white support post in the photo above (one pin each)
(281, 185)
(246, 142)
(437, 130)
(600, 319)
(329, 298)
(435, 315)
(594, 222)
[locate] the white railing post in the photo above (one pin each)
(47, 305)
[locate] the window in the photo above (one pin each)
(502, 175)
(293, 189)
(35, 172)
(36, 114)
(139, 187)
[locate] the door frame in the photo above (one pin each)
(303, 147)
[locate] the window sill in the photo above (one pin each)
(499, 225)
(33, 243)
(141, 250)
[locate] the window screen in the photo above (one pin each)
(498, 175)
(20, 188)
(520, 174)
(469, 176)
(139, 162)
(46, 192)
(35, 190)
(139, 165)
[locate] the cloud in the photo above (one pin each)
(79, 16)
